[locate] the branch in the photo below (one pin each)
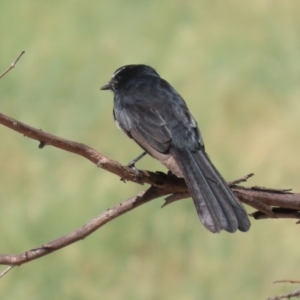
(286, 281)
(82, 232)
(46, 139)
(286, 204)
(13, 64)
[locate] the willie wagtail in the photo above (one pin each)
(150, 111)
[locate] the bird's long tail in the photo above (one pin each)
(216, 205)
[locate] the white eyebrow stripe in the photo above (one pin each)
(118, 71)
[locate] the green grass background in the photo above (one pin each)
(237, 65)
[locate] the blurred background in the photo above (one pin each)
(237, 66)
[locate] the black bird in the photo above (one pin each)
(149, 110)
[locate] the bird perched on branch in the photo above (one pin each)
(150, 111)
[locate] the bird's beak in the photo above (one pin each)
(107, 86)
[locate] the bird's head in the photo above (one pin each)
(126, 73)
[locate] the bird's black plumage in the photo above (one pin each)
(149, 110)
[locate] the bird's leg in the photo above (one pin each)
(132, 165)
(134, 161)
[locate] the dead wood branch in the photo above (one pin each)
(270, 203)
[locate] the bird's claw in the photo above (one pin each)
(131, 165)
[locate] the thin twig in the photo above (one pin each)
(264, 189)
(286, 281)
(175, 197)
(240, 180)
(6, 270)
(12, 65)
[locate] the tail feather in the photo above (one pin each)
(216, 205)
(236, 205)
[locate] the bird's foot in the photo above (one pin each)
(132, 165)
(137, 173)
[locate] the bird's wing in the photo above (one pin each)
(145, 126)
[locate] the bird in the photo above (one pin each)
(152, 113)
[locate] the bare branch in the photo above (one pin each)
(12, 65)
(264, 200)
(271, 198)
(82, 232)
(127, 173)
(286, 281)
